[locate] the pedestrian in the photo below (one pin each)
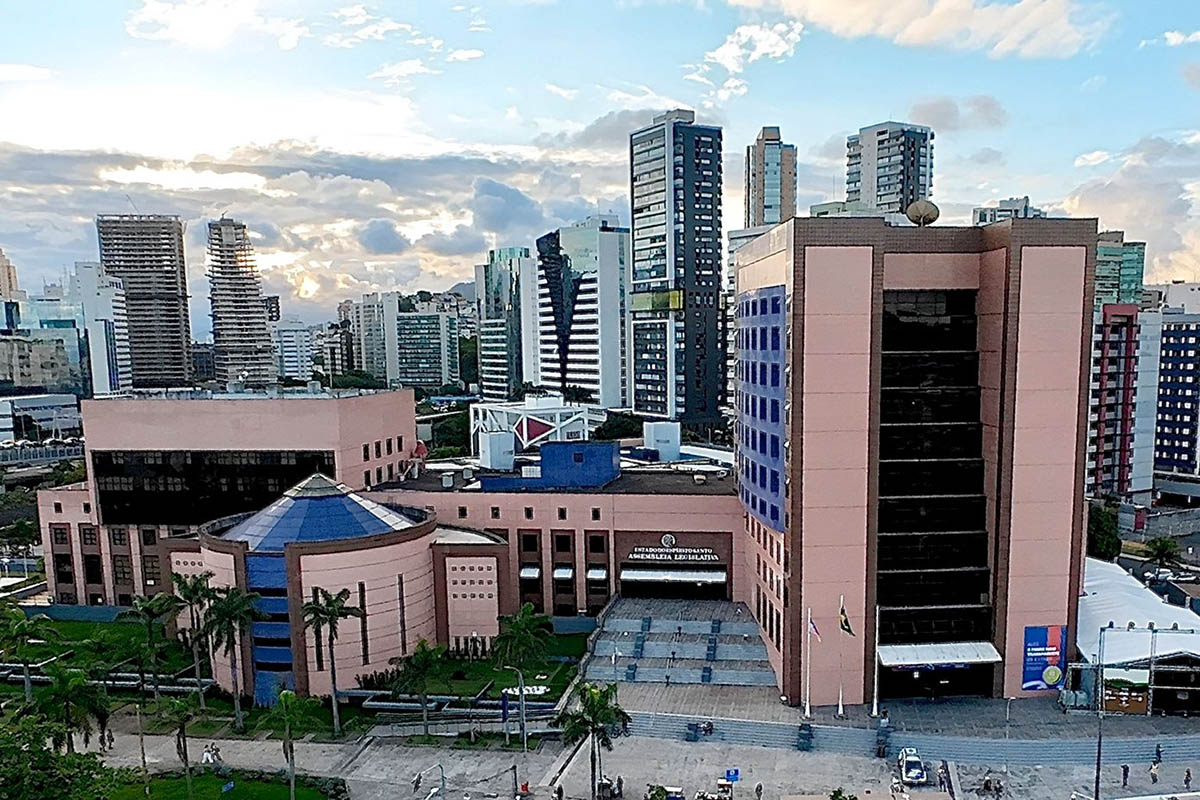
(1154, 772)
(941, 780)
(216, 754)
(668, 679)
(1187, 779)
(1158, 754)
(207, 757)
(1124, 776)
(110, 739)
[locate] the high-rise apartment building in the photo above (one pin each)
(736, 240)
(1122, 405)
(1176, 437)
(9, 290)
(889, 166)
(241, 339)
(770, 192)
(204, 367)
(404, 348)
(271, 307)
(1012, 208)
(1120, 266)
(337, 347)
(580, 310)
(105, 323)
(145, 251)
(911, 448)
(676, 354)
(508, 349)
(296, 347)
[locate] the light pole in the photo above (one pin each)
(1099, 712)
(416, 781)
(1007, 722)
(521, 689)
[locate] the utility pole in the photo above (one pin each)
(1099, 712)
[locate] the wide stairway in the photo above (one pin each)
(680, 641)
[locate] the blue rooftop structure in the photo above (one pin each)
(317, 510)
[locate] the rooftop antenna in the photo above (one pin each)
(136, 210)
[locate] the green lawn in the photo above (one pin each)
(120, 639)
(208, 787)
(570, 645)
(477, 674)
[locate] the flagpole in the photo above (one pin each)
(875, 694)
(808, 665)
(841, 710)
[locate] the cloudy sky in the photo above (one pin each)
(387, 145)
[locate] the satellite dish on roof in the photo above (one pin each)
(922, 213)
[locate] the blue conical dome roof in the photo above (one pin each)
(318, 509)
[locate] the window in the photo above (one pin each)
(595, 513)
(391, 471)
(379, 474)
(399, 444)
(462, 512)
(122, 570)
(362, 624)
(58, 508)
(93, 572)
(529, 542)
(366, 477)
(528, 512)
(378, 448)
(149, 537)
(150, 570)
(595, 543)
(562, 543)
(366, 452)
(495, 512)
(61, 534)
(87, 508)
(88, 534)
(118, 536)
(562, 513)
(67, 598)
(387, 446)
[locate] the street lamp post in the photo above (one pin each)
(1099, 712)
(1007, 722)
(521, 689)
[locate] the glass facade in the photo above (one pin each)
(190, 487)
(761, 398)
(933, 581)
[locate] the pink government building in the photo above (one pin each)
(910, 444)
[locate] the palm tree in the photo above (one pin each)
(148, 611)
(180, 712)
(290, 712)
(416, 671)
(523, 638)
(19, 634)
(195, 594)
(227, 620)
(68, 700)
(326, 610)
(595, 719)
(1163, 551)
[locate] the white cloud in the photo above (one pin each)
(1026, 28)
(1177, 38)
(948, 114)
(749, 43)
(398, 73)
(20, 73)
(184, 178)
(1094, 158)
(464, 55)
(643, 97)
(352, 15)
(209, 24)
(368, 27)
(732, 87)
(565, 94)
(1093, 84)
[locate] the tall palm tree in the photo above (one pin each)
(19, 634)
(181, 712)
(195, 594)
(326, 611)
(523, 639)
(148, 612)
(596, 718)
(415, 673)
(68, 700)
(227, 620)
(290, 712)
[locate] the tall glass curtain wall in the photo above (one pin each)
(271, 637)
(933, 578)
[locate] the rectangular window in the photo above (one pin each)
(122, 570)
(61, 534)
(391, 471)
(362, 624)
(562, 543)
(379, 474)
(562, 513)
(58, 508)
(595, 513)
(87, 508)
(367, 478)
(462, 512)
(596, 543)
(87, 534)
(529, 542)
(387, 446)
(528, 512)
(402, 619)
(366, 452)
(93, 571)
(149, 537)
(317, 637)
(399, 444)
(378, 449)
(151, 573)
(495, 512)
(118, 536)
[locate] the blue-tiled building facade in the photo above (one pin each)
(762, 391)
(1178, 395)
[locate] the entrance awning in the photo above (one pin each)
(917, 655)
(597, 574)
(530, 573)
(563, 573)
(673, 575)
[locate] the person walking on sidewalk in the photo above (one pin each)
(1187, 779)
(1124, 776)
(1154, 772)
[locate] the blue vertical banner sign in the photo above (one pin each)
(1045, 657)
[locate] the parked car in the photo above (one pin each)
(1161, 575)
(912, 768)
